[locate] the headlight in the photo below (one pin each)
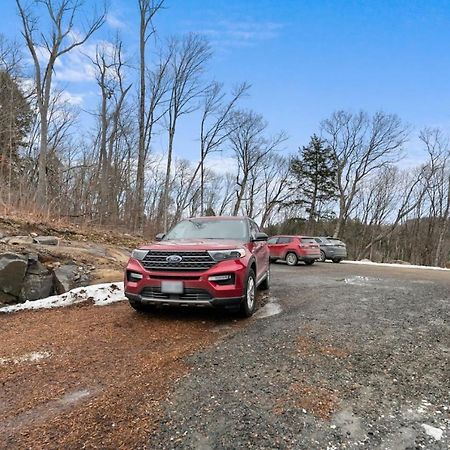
(139, 254)
(222, 255)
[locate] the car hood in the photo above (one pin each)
(193, 244)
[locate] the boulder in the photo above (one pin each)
(65, 278)
(46, 240)
(35, 287)
(18, 240)
(6, 299)
(12, 272)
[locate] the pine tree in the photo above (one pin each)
(313, 183)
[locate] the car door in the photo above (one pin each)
(283, 245)
(261, 252)
(272, 245)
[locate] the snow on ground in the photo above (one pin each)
(99, 294)
(402, 266)
(434, 432)
(28, 357)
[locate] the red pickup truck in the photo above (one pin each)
(205, 261)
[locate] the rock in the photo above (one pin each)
(7, 298)
(18, 240)
(65, 278)
(46, 240)
(12, 272)
(35, 287)
(36, 268)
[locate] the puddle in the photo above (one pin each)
(27, 357)
(271, 308)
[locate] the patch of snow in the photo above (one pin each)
(271, 308)
(434, 432)
(401, 266)
(357, 280)
(99, 294)
(28, 357)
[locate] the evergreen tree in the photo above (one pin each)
(313, 179)
(15, 118)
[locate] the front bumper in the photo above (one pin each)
(224, 302)
(198, 290)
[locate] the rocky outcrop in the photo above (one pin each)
(28, 240)
(18, 240)
(24, 277)
(13, 268)
(66, 277)
(38, 282)
(46, 240)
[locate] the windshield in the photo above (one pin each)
(209, 229)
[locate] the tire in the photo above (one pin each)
(291, 259)
(272, 260)
(337, 260)
(322, 256)
(140, 307)
(249, 301)
(310, 262)
(265, 284)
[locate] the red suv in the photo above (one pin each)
(205, 261)
(294, 249)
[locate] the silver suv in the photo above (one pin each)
(331, 248)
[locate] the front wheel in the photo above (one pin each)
(322, 256)
(337, 260)
(249, 301)
(291, 259)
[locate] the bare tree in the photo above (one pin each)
(187, 65)
(147, 11)
(361, 145)
(250, 147)
(59, 40)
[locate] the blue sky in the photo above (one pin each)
(303, 58)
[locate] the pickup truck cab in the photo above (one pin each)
(204, 261)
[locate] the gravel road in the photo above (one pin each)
(341, 357)
(357, 358)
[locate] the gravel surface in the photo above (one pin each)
(358, 358)
(339, 357)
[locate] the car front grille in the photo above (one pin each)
(191, 261)
(189, 294)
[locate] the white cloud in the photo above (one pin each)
(242, 33)
(114, 22)
(72, 99)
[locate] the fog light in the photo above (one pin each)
(219, 278)
(134, 276)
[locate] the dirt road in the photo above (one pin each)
(357, 357)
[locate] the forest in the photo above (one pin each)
(127, 170)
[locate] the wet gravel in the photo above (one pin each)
(358, 357)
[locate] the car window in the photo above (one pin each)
(254, 229)
(284, 240)
(318, 240)
(307, 240)
(272, 240)
(209, 229)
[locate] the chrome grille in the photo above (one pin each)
(191, 261)
(189, 294)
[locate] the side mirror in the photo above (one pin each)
(159, 236)
(260, 237)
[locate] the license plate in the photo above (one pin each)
(172, 287)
